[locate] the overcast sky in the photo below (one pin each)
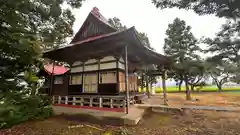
(147, 18)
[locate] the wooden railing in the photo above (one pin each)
(93, 101)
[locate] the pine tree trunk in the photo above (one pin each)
(192, 87)
(180, 85)
(219, 87)
(188, 92)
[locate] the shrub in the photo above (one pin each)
(28, 108)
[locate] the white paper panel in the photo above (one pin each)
(91, 67)
(90, 83)
(77, 63)
(94, 88)
(76, 69)
(108, 58)
(108, 65)
(122, 81)
(75, 79)
(108, 77)
(91, 61)
(121, 65)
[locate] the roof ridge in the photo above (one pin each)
(95, 11)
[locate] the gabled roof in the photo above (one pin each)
(101, 44)
(97, 38)
(94, 25)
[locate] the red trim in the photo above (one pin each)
(92, 108)
(97, 37)
(53, 69)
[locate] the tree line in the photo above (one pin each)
(184, 51)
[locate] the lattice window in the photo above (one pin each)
(75, 80)
(90, 83)
(108, 77)
(58, 80)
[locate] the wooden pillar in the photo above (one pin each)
(98, 75)
(117, 75)
(83, 68)
(126, 78)
(146, 77)
(150, 84)
(53, 100)
(147, 85)
(69, 78)
(142, 81)
(52, 80)
(164, 87)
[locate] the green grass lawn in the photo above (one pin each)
(206, 88)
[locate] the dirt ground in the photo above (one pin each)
(225, 99)
(193, 123)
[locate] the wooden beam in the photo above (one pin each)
(117, 75)
(142, 81)
(126, 78)
(164, 87)
(52, 80)
(147, 83)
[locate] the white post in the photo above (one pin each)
(74, 100)
(66, 100)
(124, 105)
(100, 102)
(111, 103)
(81, 99)
(91, 102)
(59, 99)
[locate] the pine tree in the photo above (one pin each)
(220, 71)
(225, 48)
(226, 44)
(181, 46)
(222, 8)
(116, 23)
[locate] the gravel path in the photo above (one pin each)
(212, 108)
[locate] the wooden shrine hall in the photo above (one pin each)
(102, 66)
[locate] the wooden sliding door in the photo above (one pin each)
(90, 84)
(121, 81)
